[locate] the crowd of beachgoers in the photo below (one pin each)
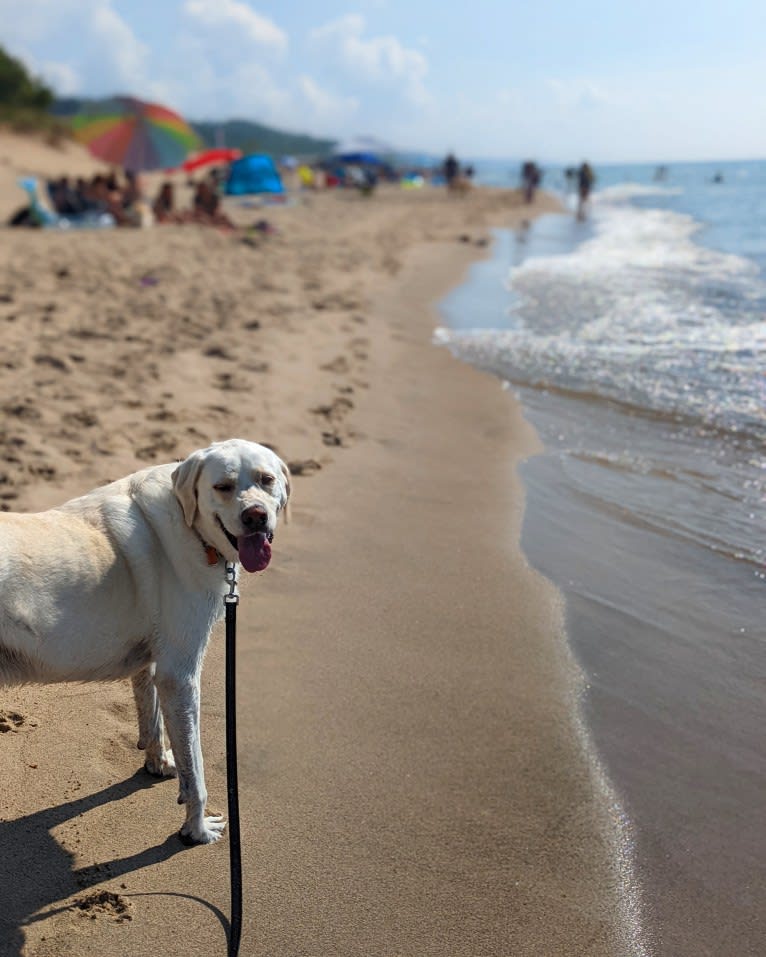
(119, 201)
(115, 199)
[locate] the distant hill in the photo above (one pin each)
(255, 137)
(248, 136)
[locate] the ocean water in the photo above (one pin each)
(655, 306)
(636, 342)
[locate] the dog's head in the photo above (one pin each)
(232, 493)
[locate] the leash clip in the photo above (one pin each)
(232, 598)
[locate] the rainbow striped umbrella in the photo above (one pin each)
(135, 135)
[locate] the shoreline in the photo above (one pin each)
(668, 634)
(412, 776)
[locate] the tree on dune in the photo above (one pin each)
(18, 88)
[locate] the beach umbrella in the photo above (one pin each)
(210, 157)
(362, 150)
(369, 145)
(134, 134)
(363, 159)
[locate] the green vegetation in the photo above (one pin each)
(256, 138)
(24, 100)
(18, 89)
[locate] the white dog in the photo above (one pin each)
(127, 582)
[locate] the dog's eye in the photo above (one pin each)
(267, 479)
(224, 486)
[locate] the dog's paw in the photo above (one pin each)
(210, 831)
(162, 766)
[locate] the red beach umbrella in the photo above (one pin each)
(210, 158)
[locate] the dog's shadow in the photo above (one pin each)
(36, 872)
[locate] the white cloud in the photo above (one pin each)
(25, 22)
(257, 92)
(326, 107)
(581, 93)
(382, 60)
(109, 53)
(114, 42)
(240, 19)
(202, 87)
(62, 77)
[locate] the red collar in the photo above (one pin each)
(212, 554)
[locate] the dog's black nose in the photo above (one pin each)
(254, 518)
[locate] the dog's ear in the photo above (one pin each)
(185, 484)
(288, 490)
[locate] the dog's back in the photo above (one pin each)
(71, 583)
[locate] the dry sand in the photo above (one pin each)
(414, 778)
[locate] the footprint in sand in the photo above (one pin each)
(230, 383)
(105, 904)
(257, 366)
(162, 415)
(83, 417)
(161, 443)
(332, 439)
(339, 365)
(15, 721)
(336, 410)
(45, 472)
(53, 361)
(218, 352)
(22, 410)
(304, 467)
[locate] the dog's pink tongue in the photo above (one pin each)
(254, 551)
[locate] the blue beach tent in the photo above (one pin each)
(253, 174)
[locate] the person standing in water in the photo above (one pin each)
(585, 180)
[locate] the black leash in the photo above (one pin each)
(231, 600)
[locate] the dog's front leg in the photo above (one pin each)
(180, 700)
(151, 733)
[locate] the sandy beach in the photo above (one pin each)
(415, 779)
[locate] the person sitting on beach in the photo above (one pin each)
(65, 198)
(163, 206)
(207, 207)
(81, 191)
(132, 192)
(104, 196)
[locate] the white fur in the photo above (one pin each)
(116, 584)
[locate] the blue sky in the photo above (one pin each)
(558, 81)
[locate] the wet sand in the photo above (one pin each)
(671, 640)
